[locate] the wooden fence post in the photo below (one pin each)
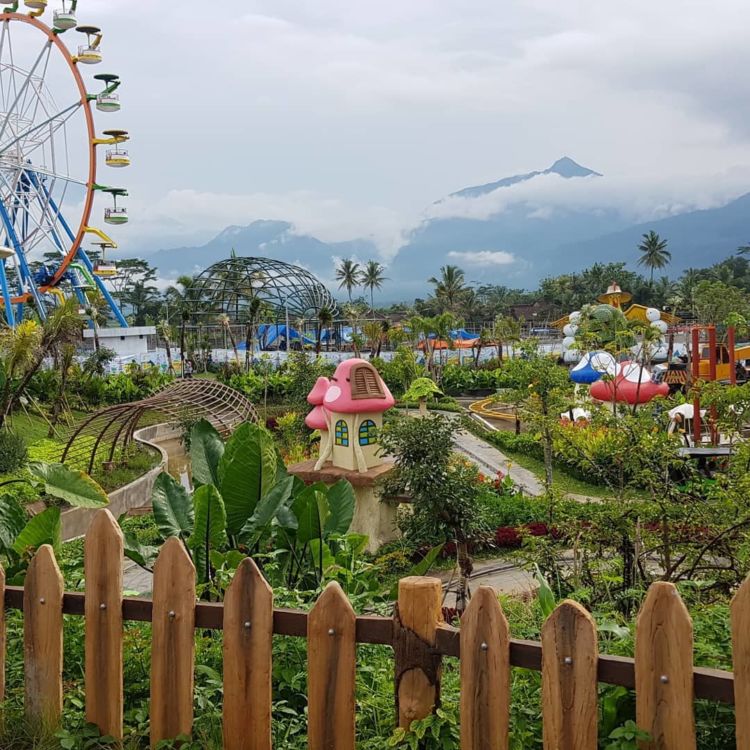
(417, 667)
(248, 640)
(569, 686)
(2, 634)
(103, 554)
(741, 663)
(485, 674)
(43, 638)
(331, 654)
(173, 643)
(664, 670)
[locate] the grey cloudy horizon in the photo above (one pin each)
(351, 120)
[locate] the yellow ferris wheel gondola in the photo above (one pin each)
(116, 156)
(90, 53)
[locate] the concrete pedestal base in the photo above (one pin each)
(375, 519)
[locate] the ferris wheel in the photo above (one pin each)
(48, 164)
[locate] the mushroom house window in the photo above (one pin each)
(342, 433)
(368, 433)
(365, 382)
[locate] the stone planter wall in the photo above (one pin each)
(137, 494)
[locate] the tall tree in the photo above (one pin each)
(325, 319)
(372, 277)
(226, 324)
(164, 332)
(24, 348)
(450, 287)
(349, 274)
(654, 253)
(252, 313)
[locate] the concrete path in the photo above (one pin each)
(490, 460)
(135, 580)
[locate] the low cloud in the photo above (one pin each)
(483, 257)
(635, 198)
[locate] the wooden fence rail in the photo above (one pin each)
(662, 673)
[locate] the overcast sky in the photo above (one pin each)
(350, 118)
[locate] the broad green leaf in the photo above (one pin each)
(341, 503)
(12, 520)
(545, 597)
(172, 506)
(318, 548)
(247, 471)
(75, 487)
(44, 528)
(206, 450)
(208, 531)
(141, 554)
(266, 510)
(311, 509)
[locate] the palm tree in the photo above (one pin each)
(450, 287)
(180, 298)
(226, 324)
(325, 319)
(164, 332)
(349, 274)
(654, 253)
(372, 278)
(251, 319)
(25, 347)
(95, 303)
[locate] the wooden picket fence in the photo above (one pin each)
(662, 673)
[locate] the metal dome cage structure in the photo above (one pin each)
(230, 286)
(100, 436)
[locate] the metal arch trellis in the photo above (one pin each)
(229, 286)
(184, 400)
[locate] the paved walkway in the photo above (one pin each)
(135, 580)
(490, 460)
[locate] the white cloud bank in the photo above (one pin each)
(483, 257)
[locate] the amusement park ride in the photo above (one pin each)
(48, 164)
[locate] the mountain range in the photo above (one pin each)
(510, 231)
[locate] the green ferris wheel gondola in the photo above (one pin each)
(108, 100)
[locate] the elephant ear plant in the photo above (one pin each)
(244, 502)
(22, 534)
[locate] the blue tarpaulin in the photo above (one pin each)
(270, 335)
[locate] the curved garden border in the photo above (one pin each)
(136, 494)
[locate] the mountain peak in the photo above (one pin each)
(567, 168)
(564, 167)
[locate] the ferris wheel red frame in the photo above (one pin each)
(69, 257)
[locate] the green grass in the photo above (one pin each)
(561, 480)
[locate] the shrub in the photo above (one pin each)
(524, 443)
(13, 453)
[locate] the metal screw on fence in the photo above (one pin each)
(247, 625)
(331, 632)
(102, 606)
(568, 660)
(171, 614)
(484, 647)
(41, 600)
(664, 679)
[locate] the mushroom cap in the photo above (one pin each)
(625, 387)
(339, 395)
(318, 392)
(316, 419)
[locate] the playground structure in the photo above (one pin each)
(48, 164)
(607, 313)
